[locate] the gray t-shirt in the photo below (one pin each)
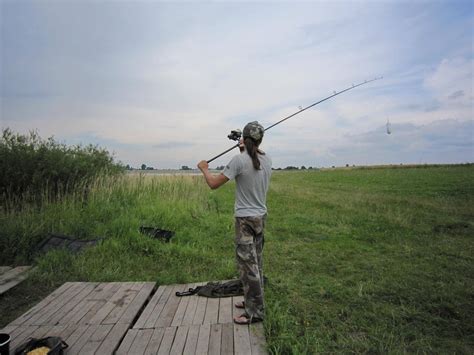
(251, 184)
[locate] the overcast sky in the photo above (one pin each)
(163, 83)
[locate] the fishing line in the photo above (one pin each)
(237, 134)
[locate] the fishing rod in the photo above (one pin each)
(235, 135)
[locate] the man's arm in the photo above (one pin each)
(214, 181)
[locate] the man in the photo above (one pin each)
(251, 170)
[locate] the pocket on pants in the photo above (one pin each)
(244, 233)
(246, 253)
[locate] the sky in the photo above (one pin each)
(164, 83)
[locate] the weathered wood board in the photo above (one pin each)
(137, 318)
(90, 317)
(10, 277)
(191, 325)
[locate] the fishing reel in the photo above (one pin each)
(235, 135)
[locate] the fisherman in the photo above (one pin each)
(251, 170)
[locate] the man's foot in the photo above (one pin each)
(245, 319)
(240, 305)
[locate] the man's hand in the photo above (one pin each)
(203, 165)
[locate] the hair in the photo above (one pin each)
(251, 146)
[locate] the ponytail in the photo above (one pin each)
(251, 146)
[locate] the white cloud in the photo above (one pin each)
(452, 82)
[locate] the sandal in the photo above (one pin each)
(240, 305)
(244, 319)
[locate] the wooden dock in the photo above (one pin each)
(137, 318)
(10, 277)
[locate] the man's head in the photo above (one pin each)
(253, 130)
(253, 134)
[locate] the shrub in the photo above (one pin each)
(30, 165)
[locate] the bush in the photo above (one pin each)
(30, 165)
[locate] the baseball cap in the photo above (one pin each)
(253, 130)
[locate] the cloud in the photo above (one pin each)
(144, 77)
(173, 145)
(452, 81)
(456, 94)
(441, 141)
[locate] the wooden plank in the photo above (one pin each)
(82, 340)
(42, 332)
(105, 291)
(90, 305)
(101, 290)
(16, 333)
(183, 305)
(4, 269)
(212, 311)
(140, 342)
(40, 317)
(179, 340)
(112, 341)
(68, 311)
(52, 330)
(167, 340)
(241, 340)
(227, 344)
(127, 341)
(257, 339)
(99, 301)
(191, 340)
(203, 339)
(149, 309)
(215, 337)
(18, 330)
(21, 334)
(190, 310)
(66, 332)
(40, 305)
(110, 304)
(8, 329)
(96, 339)
(121, 304)
(77, 314)
(137, 303)
(167, 315)
(156, 312)
(200, 310)
(77, 332)
(13, 277)
(190, 315)
(155, 341)
(12, 274)
(225, 310)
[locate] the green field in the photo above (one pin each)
(361, 260)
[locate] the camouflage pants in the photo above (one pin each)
(249, 242)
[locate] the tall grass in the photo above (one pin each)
(33, 168)
(374, 261)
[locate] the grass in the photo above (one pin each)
(359, 260)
